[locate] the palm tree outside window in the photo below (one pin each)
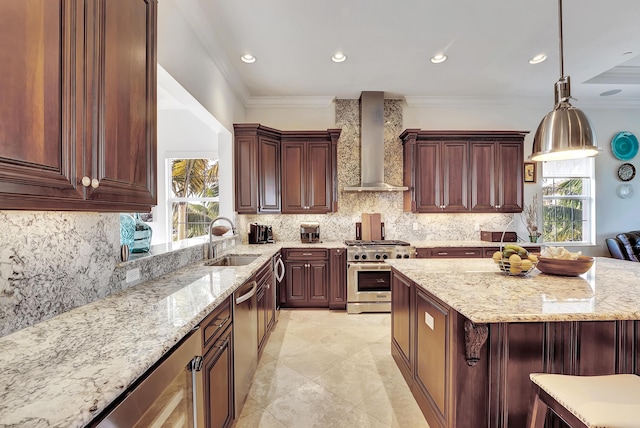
(194, 199)
(568, 210)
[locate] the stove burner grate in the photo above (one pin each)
(363, 243)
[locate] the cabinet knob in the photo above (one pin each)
(86, 182)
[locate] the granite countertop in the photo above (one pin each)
(64, 371)
(482, 293)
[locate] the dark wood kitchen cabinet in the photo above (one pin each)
(217, 367)
(338, 278)
(266, 304)
(285, 171)
(78, 105)
(257, 168)
(463, 171)
(439, 178)
(306, 278)
(309, 173)
(401, 328)
(496, 174)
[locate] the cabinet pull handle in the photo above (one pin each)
(469, 253)
(268, 286)
(224, 343)
(307, 254)
(443, 254)
(222, 322)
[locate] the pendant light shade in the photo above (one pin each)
(565, 132)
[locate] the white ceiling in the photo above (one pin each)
(389, 43)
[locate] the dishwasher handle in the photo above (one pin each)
(279, 276)
(249, 294)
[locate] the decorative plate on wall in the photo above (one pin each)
(624, 145)
(626, 172)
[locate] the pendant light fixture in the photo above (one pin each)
(565, 132)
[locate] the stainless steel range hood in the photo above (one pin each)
(372, 146)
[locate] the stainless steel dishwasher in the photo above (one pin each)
(245, 341)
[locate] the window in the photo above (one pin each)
(194, 196)
(568, 209)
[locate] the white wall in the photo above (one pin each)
(294, 118)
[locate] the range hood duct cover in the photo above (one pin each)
(372, 145)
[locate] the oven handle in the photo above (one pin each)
(368, 266)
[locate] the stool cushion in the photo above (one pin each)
(611, 401)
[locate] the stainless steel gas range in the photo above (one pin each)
(369, 277)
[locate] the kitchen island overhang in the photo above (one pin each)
(466, 336)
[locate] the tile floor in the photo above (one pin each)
(329, 369)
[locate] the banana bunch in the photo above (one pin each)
(515, 259)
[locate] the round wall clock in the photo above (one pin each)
(626, 172)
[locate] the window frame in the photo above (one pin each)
(588, 201)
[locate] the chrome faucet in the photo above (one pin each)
(212, 248)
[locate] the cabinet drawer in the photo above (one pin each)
(215, 323)
(305, 254)
(446, 252)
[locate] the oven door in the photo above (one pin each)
(368, 282)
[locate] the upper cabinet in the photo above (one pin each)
(463, 171)
(285, 171)
(79, 105)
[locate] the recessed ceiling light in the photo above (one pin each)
(248, 58)
(338, 57)
(538, 59)
(610, 92)
(438, 58)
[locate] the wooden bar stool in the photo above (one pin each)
(611, 401)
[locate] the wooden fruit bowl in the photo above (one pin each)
(565, 267)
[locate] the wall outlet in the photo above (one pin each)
(415, 226)
(476, 227)
(133, 275)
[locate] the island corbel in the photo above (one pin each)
(475, 335)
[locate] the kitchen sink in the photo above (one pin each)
(232, 260)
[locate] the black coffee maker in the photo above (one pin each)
(260, 234)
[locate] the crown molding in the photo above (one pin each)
(290, 102)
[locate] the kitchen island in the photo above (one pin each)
(466, 336)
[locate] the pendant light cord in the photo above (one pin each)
(561, 47)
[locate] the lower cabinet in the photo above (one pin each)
(217, 367)
(465, 252)
(401, 330)
(338, 279)
(266, 304)
(306, 278)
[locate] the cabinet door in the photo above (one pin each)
(293, 178)
(431, 366)
(246, 174)
(428, 179)
(318, 283)
(262, 316)
(483, 176)
(41, 104)
(296, 283)
(270, 301)
(509, 176)
(122, 60)
(269, 177)
(338, 279)
(455, 164)
(217, 371)
(319, 183)
(400, 316)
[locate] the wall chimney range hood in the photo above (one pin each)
(372, 146)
